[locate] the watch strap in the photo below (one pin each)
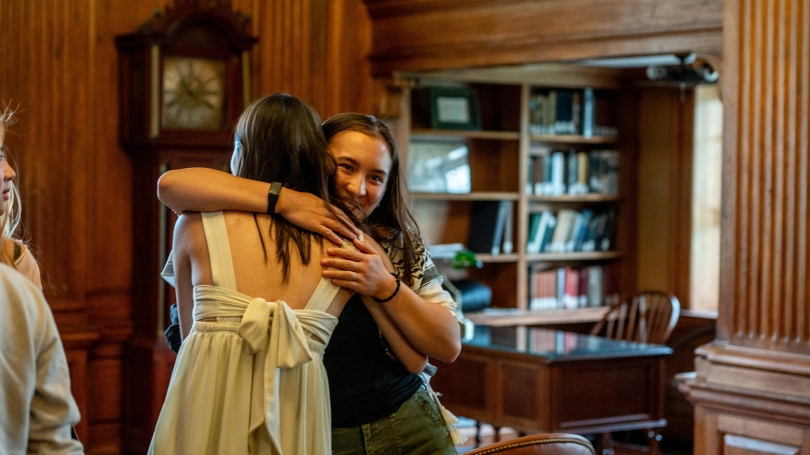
(272, 197)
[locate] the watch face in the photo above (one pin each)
(193, 93)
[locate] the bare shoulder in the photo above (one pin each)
(239, 218)
(240, 224)
(188, 229)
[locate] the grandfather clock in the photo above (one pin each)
(184, 82)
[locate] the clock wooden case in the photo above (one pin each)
(184, 79)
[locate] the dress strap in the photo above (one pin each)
(326, 291)
(323, 295)
(219, 250)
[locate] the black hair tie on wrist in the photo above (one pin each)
(392, 295)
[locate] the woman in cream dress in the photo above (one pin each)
(249, 377)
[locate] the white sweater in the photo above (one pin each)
(37, 409)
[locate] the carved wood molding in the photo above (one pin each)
(418, 35)
(746, 381)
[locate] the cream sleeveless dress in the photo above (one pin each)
(250, 386)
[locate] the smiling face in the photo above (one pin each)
(363, 168)
(5, 170)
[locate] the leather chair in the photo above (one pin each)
(539, 444)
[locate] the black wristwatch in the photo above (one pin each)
(272, 197)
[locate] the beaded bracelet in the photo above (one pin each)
(392, 295)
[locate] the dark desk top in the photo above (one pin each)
(556, 346)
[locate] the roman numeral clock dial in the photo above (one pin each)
(193, 93)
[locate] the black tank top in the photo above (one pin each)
(365, 383)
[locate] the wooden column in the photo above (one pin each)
(751, 388)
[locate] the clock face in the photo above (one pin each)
(193, 93)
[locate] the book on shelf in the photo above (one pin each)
(566, 111)
(588, 115)
(570, 231)
(570, 297)
(539, 177)
(562, 231)
(543, 289)
(594, 287)
(604, 236)
(540, 227)
(570, 287)
(487, 225)
(584, 111)
(583, 171)
(444, 251)
(572, 172)
(508, 220)
(579, 230)
(557, 174)
(610, 172)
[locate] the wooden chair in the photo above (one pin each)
(539, 444)
(647, 317)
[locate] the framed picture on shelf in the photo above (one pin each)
(439, 166)
(454, 108)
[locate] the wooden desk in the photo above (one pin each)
(562, 382)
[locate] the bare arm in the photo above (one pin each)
(413, 360)
(187, 227)
(429, 327)
(208, 190)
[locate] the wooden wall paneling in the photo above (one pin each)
(48, 86)
(110, 226)
(412, 35)
(665, 171)
(629, 148)
(348, 70)
(315, 50)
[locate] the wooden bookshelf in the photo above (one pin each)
(573, 139)
(500, 155)
(424, 133)
(587, 198)
(495, 258)
(577, 256)
(473, 196)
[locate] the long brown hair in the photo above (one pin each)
(391, 221)
(11, 215)
(280, 139)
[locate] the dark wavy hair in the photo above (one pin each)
(281, 140)
(391, 221)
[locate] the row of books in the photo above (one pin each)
(570, 230)
(491, 227)
(567, 287)
(566, 111)
(558, 172)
